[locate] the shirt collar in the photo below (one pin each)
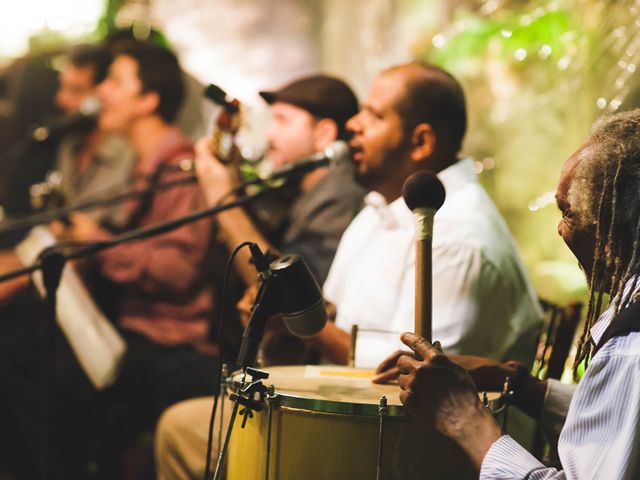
(391, 215)
(457, 175)
(604, 320)
(396, 214)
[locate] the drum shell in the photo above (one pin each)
(319, 445)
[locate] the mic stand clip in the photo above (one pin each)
(245, 395)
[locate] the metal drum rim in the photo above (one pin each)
(284, 398)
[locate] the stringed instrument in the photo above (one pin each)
(271, 213)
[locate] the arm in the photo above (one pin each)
(167, 264)
(441, 392)
(600, 436)
(487, 375)
(9, 289)
(235, 225)
(333, 343)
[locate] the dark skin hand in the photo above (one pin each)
(488, 375)
(441, 392)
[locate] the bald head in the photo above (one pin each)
(435, 97)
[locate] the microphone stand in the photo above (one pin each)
(244, 392)
(52, 261)
(10, 226)
(289, 171)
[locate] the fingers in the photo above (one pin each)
(419, 345)
(386, 376)
(407, 364)
(203, 147)
(391, 360)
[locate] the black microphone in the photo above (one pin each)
(288, 289)
(299, 296)
(85, 116)
(424, 194)
(329, 156)
(219, 96)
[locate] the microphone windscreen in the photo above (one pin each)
(423, 190)
(215, 94)
(219, 97)
(299, 297)
(337, 149)
(306, 323)
(90, 107)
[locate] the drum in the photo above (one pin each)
(325, 423)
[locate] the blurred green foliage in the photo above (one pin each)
(533, 73)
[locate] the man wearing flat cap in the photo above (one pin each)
(307, 116)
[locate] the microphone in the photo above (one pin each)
(329, 156)
(86, 115)
(424, 194)
(218, 96)
(288, 289)
(299, 296)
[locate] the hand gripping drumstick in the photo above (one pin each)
(424, 194)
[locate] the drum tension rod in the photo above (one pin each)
(508, 393)
(382, 412)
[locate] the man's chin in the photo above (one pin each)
(366, 179)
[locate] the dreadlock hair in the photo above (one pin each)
(604, 193)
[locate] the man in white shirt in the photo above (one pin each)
(600, 439)
(483, 302)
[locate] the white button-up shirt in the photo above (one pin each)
(483, 302)
(600, 439)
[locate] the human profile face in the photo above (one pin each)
(121, 97)
(579, 237)
(291, 134)
(379, 144)
(75, 85)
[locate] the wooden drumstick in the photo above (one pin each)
(424, 194)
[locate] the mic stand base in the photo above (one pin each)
(244, 395)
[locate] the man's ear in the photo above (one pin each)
(423, 142)
(325, 132)
(149, 102)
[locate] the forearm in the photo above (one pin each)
(9, 289)
(490, 375)
(477, 434)
(333, 343)
(532, 398)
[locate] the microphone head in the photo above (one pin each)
(423, 190)
(90, 107)
(300, 300)
(336, 150)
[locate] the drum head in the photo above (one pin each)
(337, 389)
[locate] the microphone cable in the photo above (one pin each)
(223, 315)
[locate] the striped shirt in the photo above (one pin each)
(600, 439)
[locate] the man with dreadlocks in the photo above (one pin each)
(600, 418)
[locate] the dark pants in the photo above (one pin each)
(85, 424)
